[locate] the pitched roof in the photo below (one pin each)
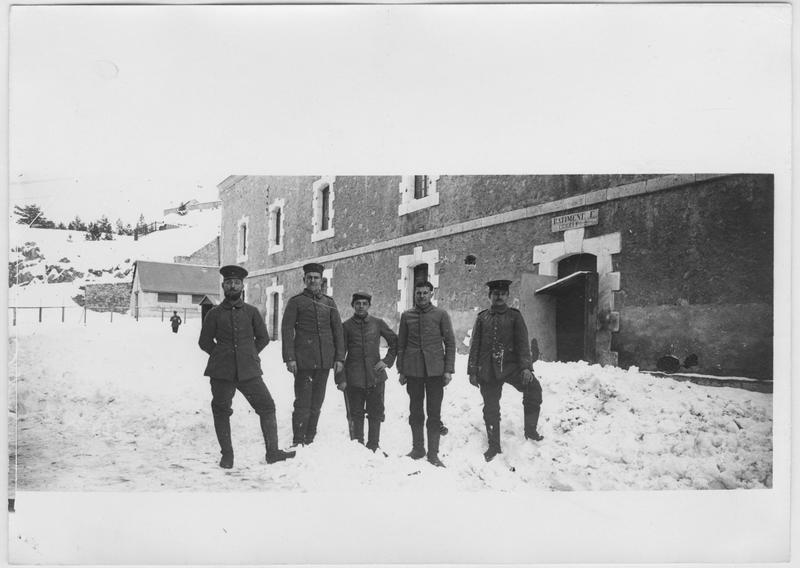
(180, 278)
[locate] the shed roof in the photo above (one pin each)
(180, 278)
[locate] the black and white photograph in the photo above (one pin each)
(408, 284)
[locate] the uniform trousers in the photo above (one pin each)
(309, 394)
(254, 391)
(367, 401)
(492, 390)
(418, 389)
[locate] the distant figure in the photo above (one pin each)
(364, 377)
(176, 322)
(233, 334)
(499, 353)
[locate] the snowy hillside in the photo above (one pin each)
(60, 262)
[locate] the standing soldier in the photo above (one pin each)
(175, 321)
(233, 334)
(426, 352)
(499, 353)
(313, 343)
(364, 378)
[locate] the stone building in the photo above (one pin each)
(611, 269)
(207, 255)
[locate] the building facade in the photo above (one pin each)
(611, 269)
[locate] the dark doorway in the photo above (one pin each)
(575, 292)
(275, 321)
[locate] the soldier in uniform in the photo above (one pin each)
(233, 334)
(426, 352)
(313, 343)
(364, 377)
(499, 353)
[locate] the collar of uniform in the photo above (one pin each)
(424, 310)
(311, 294)
(357, 319)
(502, 310)
(228, 305)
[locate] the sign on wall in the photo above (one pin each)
(574, 220)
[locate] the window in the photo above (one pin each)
(197, 298)
(241, 239)
(168, 297)
(417, 192)
(418, 265)
(277, 227)
(420, 187)
(323, 209)
(326, 207)
(275, 230)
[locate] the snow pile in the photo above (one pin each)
(124, 406)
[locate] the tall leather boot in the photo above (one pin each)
(433, 447)
(222, 426)
(531, 421)
(417, 443)
(311, 428)
(493, 435)
(374, 434)
(269, 428)
(298, 430)
(358, 429)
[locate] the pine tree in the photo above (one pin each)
(32, 215)
(77, 224)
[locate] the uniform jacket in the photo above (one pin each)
(312, 332)
(176, 321)
(233, 334)
(499, 347)
(362, 339)
(426, 345)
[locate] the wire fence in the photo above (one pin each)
(19, 315)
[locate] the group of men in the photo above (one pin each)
(315, 340)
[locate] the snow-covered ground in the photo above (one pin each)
(124, 406)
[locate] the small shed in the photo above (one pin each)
(163, 287)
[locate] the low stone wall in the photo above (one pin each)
(108, 297)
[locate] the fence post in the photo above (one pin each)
(62, 314)
(112, 316)
(84, 316)
(15, 316)
(162, 314)
(184, 315)
(40, 314)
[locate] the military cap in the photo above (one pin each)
(313, 267)
(501, 285)
(233, 271)
(361, 296)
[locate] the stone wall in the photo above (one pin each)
(695, 264)
(208, 255)
(108, 297)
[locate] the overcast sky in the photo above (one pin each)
(131, 109)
